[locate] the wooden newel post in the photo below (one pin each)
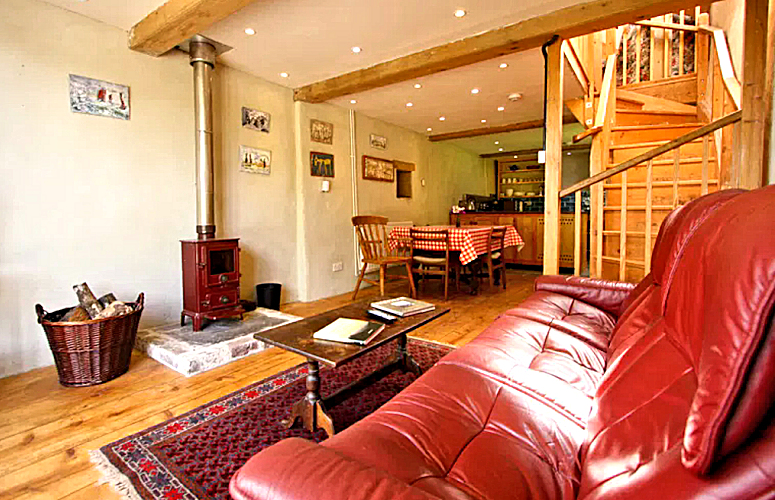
(553, 177)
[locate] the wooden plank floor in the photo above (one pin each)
(46, 430)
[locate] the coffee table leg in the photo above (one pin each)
(310, 409)
(408, 364)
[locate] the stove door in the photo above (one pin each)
(221, 264)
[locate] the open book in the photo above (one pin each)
(403, 306)
(351, 331)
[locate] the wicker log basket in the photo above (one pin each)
(91, 352)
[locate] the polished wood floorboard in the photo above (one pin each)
(46, 430)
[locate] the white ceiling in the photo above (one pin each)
(312, 40)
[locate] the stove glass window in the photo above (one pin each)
(221, 261)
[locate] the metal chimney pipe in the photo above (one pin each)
(202, 58)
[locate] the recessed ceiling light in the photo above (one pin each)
(429, 129)
(516, 96)
(417, 86)
(500, 149)
(474, 91)
(568, 153)
(503, 65)
(501, 108)
(250, 31)
(484, 121)
(441, 118)
(409, 104)
(497, 142)
(353, 101)
(356, 50)
(284, 74)
(460, 13)
(515, 157)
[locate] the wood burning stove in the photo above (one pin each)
(210, 280)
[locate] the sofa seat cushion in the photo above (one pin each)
(458, 432)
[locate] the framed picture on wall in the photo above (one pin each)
(377, 169)
(98, 97)
(321, 131)
(377, 141)
(321, 164)
(255, 161)
(255, 119)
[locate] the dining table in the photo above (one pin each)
(467, 242)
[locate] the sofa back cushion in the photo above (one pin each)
(692, 358)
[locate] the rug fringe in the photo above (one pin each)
(111, 475)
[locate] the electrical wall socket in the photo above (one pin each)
(338, 266)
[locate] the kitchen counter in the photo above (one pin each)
(530, 225)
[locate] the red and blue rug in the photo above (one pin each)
(193, 456)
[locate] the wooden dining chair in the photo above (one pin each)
(494, 259)
(433, 262)
(373, 240)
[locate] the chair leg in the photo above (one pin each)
(360, 279)
(382, 279)
(457, 277)
(412, 291)
(446, 283)
(503, 275)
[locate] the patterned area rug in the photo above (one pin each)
(193, 456)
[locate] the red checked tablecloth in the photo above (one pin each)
(470, 241)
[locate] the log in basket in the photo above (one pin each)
(91, 352)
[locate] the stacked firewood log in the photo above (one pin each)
(90, 307)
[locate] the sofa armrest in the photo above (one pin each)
(603, 294)
(297, 469)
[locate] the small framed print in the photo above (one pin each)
(321, 164)
(255, 161)
(377, 169)
(377, 141)
(320, 131)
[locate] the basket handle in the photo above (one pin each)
(40, 312)
(140, 300)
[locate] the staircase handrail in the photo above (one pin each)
(731, 83)
(653, 153)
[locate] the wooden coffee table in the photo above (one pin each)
(296, 337)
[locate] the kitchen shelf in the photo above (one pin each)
(521, 182)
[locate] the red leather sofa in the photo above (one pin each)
(589, 389)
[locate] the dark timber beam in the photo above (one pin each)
(178, 20)
(584, 17)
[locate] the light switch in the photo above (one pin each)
(325, 186)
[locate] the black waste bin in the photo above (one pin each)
(268, 295)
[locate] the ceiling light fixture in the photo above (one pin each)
(250, 31)
(441, 118)
(460, 13)
(409, 104)
(474, 91)
(429, 129)
(353, 101)
(284, 74)
(356, 50)
(515, 157)
(501, 108)
(500, 149)
(503, 65)
(417, 86)
(484, 121)
(497, 142)
(516, 96)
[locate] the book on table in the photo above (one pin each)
(403, 306)
(350, 331)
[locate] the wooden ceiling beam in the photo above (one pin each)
(178, 20)
(511, 127)
(534, 152)
(584, 17)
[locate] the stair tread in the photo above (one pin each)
(656, 112)
(689, 182)
(651, 126)
(636, 145)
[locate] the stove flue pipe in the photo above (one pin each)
(202, 58)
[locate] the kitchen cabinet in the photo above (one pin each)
(531, 228)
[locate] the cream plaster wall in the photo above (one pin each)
(87, 198)
(729, 15)
(259, 209)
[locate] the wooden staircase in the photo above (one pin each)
(647, 155)
(642, 123)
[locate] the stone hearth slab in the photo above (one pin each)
(219, 342)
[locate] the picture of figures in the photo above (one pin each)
(377, 169)
(377, 141)
(255, 120)
(322, 164)
(97, 97)
(321, 131)
(255, 161)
